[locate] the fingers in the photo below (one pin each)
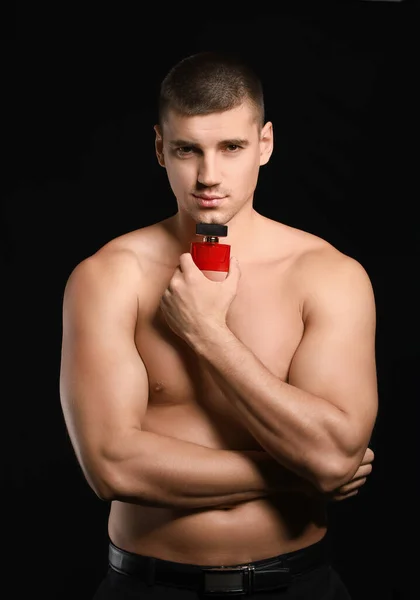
(358, 480)
(362, 471)
(349, 489)
(340, 497)
(368, 457)
(354, 484)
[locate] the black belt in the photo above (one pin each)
(262, 575)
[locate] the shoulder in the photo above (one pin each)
(118, 267)
(332, 280)
(324, 276)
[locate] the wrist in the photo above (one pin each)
(211, 337)
(279, 479)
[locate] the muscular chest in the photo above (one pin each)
(265, 316)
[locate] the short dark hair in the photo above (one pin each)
(209, 82)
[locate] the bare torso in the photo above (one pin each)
(185, 403)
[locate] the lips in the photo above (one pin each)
(209, 202)
(203, 197)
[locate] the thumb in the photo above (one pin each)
(234, 270)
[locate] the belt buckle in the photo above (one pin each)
(241, 580)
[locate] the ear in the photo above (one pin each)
(159, 145)
(266, 143)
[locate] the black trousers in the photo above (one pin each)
(319, 582)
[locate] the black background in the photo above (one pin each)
(79, 168)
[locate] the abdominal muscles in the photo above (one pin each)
(251, 530)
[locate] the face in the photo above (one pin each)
(212, 161)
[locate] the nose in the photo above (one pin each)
(208, 173)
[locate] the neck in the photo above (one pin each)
(242, 231)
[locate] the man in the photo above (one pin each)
(219, 417)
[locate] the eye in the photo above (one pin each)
(183, 150)
(233, 148)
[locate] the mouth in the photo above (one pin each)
(209, 201)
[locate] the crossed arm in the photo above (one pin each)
(104, 392)
(319, 423)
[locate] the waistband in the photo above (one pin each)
(245, 578)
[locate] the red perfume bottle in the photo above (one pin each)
(210, 256)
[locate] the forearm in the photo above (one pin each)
(297, 428)
(155, 470)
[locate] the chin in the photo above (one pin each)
(208, 216)
(211, 218)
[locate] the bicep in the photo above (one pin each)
(336, 357)
(103, 381)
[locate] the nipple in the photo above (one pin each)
(158, 387)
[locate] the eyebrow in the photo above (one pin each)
(229, 142)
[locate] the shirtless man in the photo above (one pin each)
(218, 418)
